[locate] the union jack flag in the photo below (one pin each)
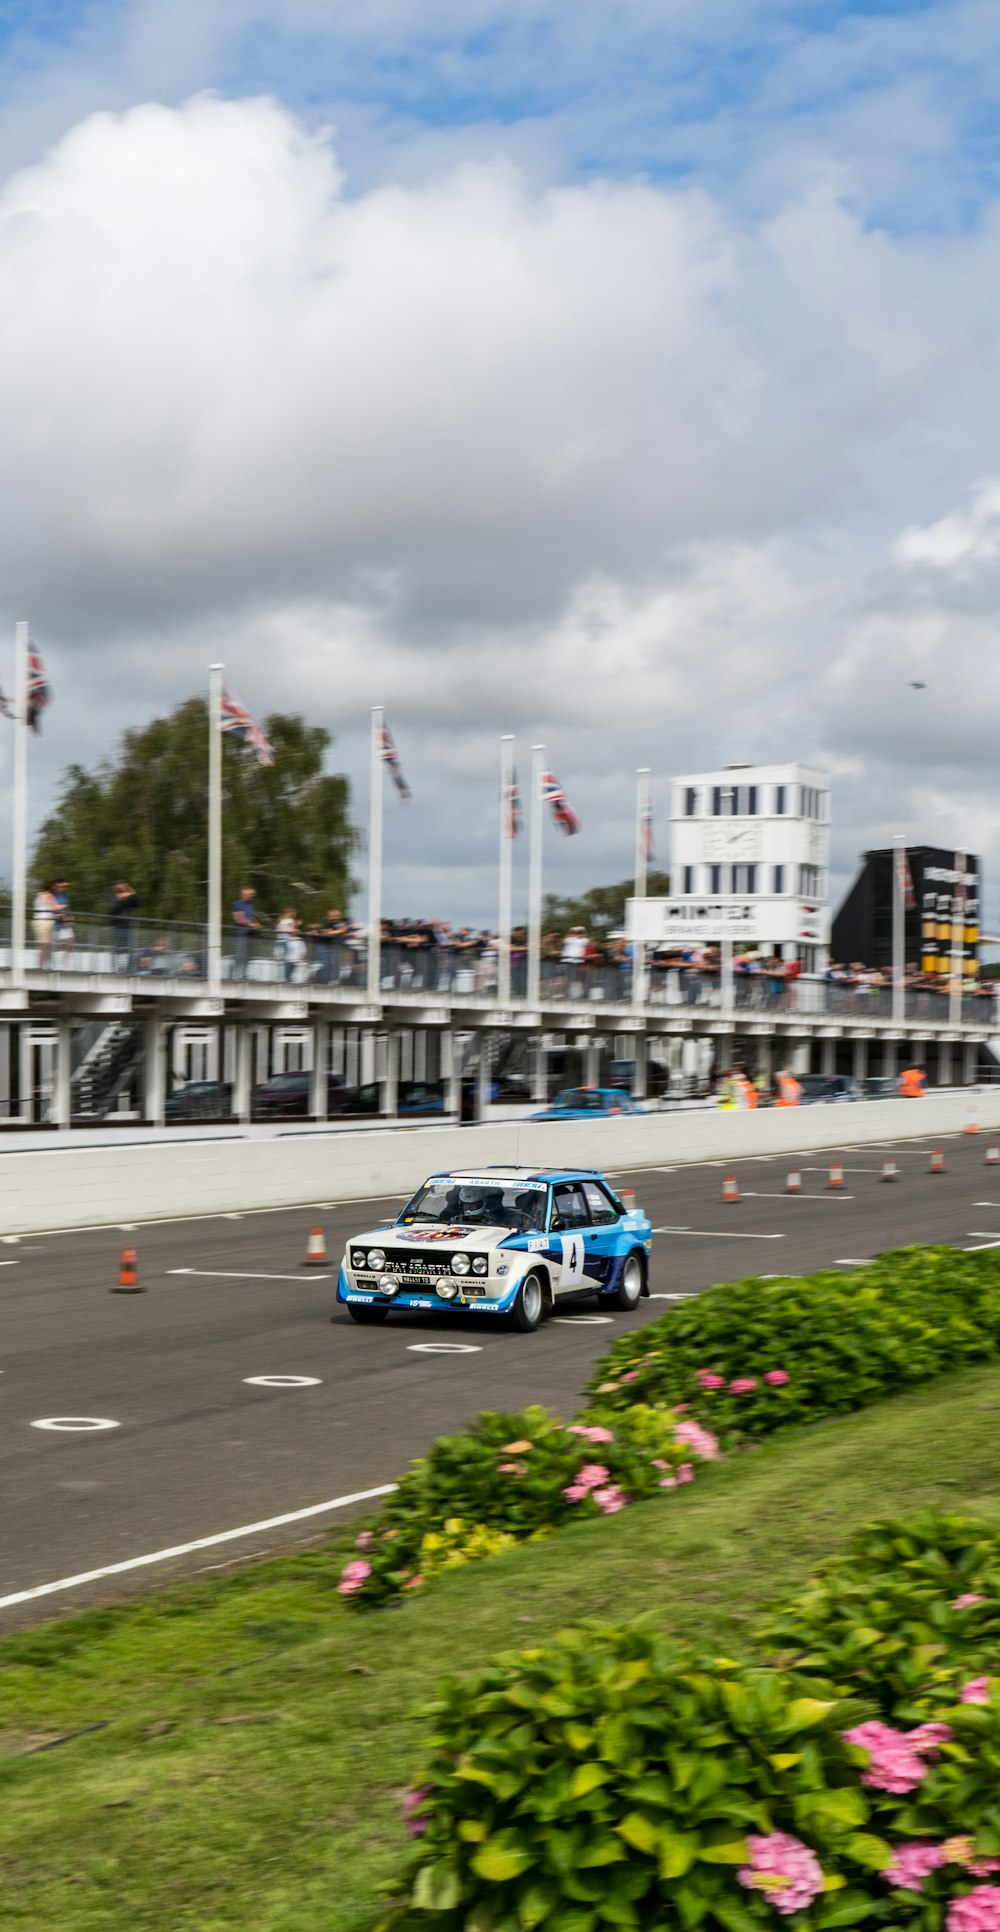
(904, 882)
(555, 797)
(238, 723)
(513, 816)
(39, 692)
(6, 707)
(648, 839)
(390, 757)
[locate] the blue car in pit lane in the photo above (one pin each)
(508, 1243)
(588, 1103)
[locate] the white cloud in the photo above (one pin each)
(957, 542)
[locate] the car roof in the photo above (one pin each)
(504, 1176)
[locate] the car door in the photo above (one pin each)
(602, 1238)
(569, 1228)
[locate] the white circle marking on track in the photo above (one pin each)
(76, 1424)
(443, 1348)
(284, 1381)
(577, 1321)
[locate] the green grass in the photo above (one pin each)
(256, 1734)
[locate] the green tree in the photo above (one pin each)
(602, 909)
(142, 816)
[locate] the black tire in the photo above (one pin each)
(529, 1307)
(366, 1311)
(633, 1281)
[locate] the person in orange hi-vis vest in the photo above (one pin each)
(913, 1083)
(748, 1092)
(789, 1091)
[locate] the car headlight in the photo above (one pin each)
(358, 1260)
(459, 1264)
(480, 1264)
(388, 1285)
(376, 1260)
(447, 1289)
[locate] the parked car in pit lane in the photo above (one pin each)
(583, 1103)
(826, 1089)
(508, 1243)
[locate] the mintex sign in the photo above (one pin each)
(658, 922)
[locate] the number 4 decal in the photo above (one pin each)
(571, 1272)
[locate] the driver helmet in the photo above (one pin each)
(475, 1204)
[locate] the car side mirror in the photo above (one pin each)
(557, 1223)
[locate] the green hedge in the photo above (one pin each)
(832, 1342)
(509, 1478)
(610, 1779)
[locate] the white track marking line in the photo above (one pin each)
(443, 1348)
(77, 1424)
(852, 1263)
(990, 1204)
(984, 1234)
(978, 1247)
(578, 1321)
(181, 1220)
(199, 1543)
(284, 1381)
(723, 1234)
(779, 1194)
(220, 1274)
(10, 1264)
(686, 1294)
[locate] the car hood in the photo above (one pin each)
(430, 1238)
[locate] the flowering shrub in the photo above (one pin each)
(510, 1478)
(611, 1779)
(894, 1618)
(751, 1356)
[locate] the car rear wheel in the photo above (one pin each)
(530, 1305)
(630, 1286)
(366, 1311)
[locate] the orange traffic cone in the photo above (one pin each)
(993, 1153)
(626, 1195)
(128, 1275)
(730, 1191)
(316, 1251)
(793, 1185)
(937, 1162)
(972, 1117)
(890, 1172)
(836, 1176)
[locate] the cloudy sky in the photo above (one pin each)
(621, 377)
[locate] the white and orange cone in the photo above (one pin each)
(316, 1251)
(937, 1162)
(836, 1175)
(128, 1275)
(890, 1172)
(793, 1185)
(730, 1191)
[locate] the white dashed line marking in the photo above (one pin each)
(284, 1381)
(76, 1424)
(226, 1274)
(720, 1234)
(199, 1543)
(849, 1263)
(781, 1194)
(444, 1348)
(578, 1321)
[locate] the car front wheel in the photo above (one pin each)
(630, 1286)
(366, 1311)
(529, 1307)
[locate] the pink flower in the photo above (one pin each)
(784, 1869)
(777, 1378)
(966, 1602)
(685, 1473)
(412, 1800)
(982, 1867)
(366, 1541)
(595, 1435)
(912, 1863)
(513, 1468)
(516, 1448)
(632, 1376)
(611, 1499)
(355, 1575)
(681, 1408)
(669, 1482)
(976, 1691)
(711, 1381)
(658, 1463)
(415, 1583)
(895, 1758)
(576, 1492)
(978, 1911)
(700, 1440)
(592, 1474)
(743, 1385)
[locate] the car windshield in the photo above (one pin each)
(584, 1098)
(495, 1204)
(279, 1080)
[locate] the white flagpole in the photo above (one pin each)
(535, 878)
(506, 868)
(640, 878)
(19, 868)
(375, 858)
(898, 934)
(215, 826)
(957, 942)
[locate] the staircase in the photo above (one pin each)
(109, 1054)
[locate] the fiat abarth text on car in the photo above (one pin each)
(503, 1242)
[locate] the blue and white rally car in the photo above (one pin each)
(504, 1242)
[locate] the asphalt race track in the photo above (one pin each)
(200, 1448)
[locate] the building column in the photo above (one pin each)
(765, 1058)
(829, 1057)
(390, 1080)
(451, 1073)
(592, 1063)
(860, 1060)
(971, 1057)
(483, 1076)
(639, 1083)
(154, 1081)
(242, 1100)
(539, 1071)
(945, 1075)
(60, 1109)
(890, 1058)
(318, 1083)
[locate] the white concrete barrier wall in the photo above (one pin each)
(82, 1187)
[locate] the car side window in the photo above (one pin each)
(569, 1206)
(602, 1210)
